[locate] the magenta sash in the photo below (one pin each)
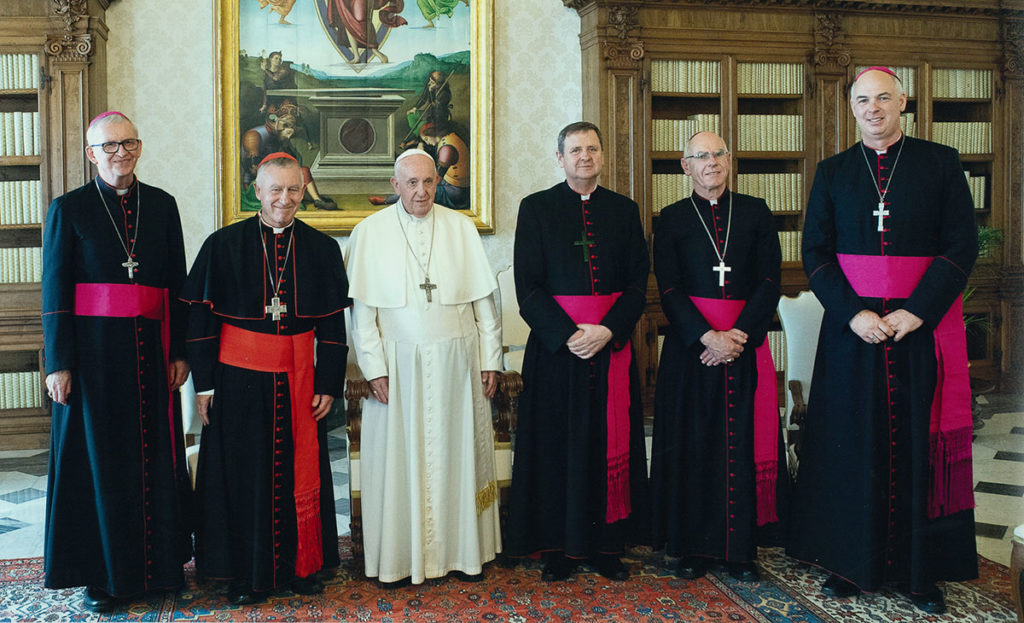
(125, 300)
(950, 427)
(721, 314)
(591, 310)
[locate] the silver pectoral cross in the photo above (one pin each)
(881, 213)
(721, 269)
(130, 265)
(426, 286)
(276, 308)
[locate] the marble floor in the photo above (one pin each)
(998, 476)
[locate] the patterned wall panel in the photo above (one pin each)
(160, 73)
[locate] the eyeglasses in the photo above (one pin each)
(111, 147)
(708, 155)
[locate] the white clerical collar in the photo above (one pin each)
(121, 191)
(585, 197)
(277, 230)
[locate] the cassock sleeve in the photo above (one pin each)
(58, 289)
(669, 258)
(488, 328)
(826, 279)
(202, 337)
(366, 340)
(626, 311)
(176, 279)
(331, 355)
(552, 326)
(757, 314)
(202, 345)
(947, 276)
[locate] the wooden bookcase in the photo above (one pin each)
(773, 80)
(52, 70)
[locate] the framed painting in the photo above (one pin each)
(347, 85)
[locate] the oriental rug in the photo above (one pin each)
(787, 592)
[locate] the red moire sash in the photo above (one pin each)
(129, 300)
(292, 354)
(591, 310)
(950, 428)
(721, 314)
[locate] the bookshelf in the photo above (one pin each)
(774, 82)
(52, 76)
(22, 402)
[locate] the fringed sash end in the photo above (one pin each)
(951, 475)
(766, 481)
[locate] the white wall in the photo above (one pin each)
(161, 74)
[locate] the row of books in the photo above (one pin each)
(908, 123)
(777, 344)
(782, 191)
(20, 202)
(668, 188)
(907, 76)
(21, 264)
(968, 137)
(685, 76)
(790, 242)
(672, 134)
(21, 390)
(20, 133)
(770, 78)
(19, 71)
(977, 185)
(771, 132)
(962, 83)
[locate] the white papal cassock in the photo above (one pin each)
(429, 495)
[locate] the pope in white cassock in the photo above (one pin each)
(428, 338)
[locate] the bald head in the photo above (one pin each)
(707, 160)
(877, 100)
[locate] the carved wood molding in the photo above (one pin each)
(1013, 49)
(69, 45)
(621, 49)
(989, 9)
(830, 52)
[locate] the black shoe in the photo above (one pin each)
(930, 601)
(836, 586)
(465, 577)
(241, 594)
(309, 585)
(743, 571)
(390, 586)
(557, 567)
(98, 600)
(692, 567)
(610, 567)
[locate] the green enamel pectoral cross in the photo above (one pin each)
(584, 243)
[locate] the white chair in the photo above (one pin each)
(801, 321)
(514, 332)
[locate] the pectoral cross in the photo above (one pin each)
(881, 213)
(721, 269)
(276, 308)
(584, 243)
(130, 265)
(426, 286)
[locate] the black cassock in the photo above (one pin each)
(247, 527)
(116, 495)
(559, 477)
(702, 459)
(861, 491)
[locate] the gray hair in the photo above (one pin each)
(282, 163)
(102, 122)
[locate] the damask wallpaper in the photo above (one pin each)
(161, 74)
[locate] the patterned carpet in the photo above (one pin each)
(787, 592)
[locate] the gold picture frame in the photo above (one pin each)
(230, 107)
